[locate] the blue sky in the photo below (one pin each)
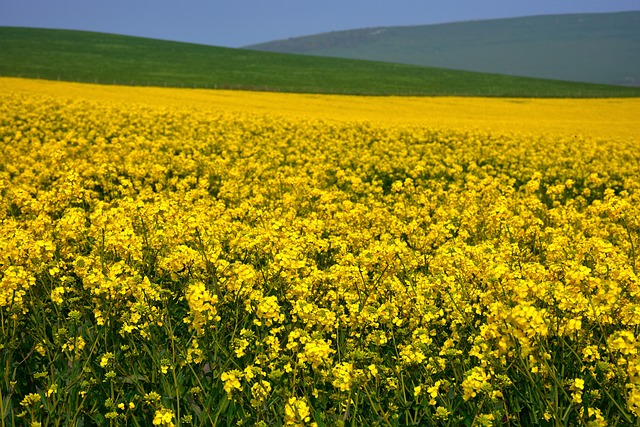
(236, 23)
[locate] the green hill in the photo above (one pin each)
(597, 48)
(107, 58)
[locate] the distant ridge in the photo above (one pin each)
(596, 48)
(114, 59)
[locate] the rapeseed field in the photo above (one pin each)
(204, 258)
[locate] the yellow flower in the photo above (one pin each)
(30, 399)
(410, 354)
(51, 390)
(57, 295)
(106, 359)
(296, 412)
(317, 352)
(268, 311)
(239, 346)
(373, 370)
(417, 390)
(231, 380)
(163, 417)
(260, 391)
(578, 384)
(40, 348)
(202, 305)
(624, 342)
(474, 382)
(343, 376)
(152, 397)
(13, 286)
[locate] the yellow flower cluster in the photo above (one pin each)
(202, 306)
(361, 266)
(163, 417)
(296, 413)
(14, 285)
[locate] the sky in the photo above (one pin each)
(237, 23)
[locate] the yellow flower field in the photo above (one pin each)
(604, 118)
(190, 257)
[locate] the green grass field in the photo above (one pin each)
(597, 48)
(114, 59)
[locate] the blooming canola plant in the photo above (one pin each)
(208, 257)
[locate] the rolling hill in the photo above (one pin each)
(597, 48)
(115, 59)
